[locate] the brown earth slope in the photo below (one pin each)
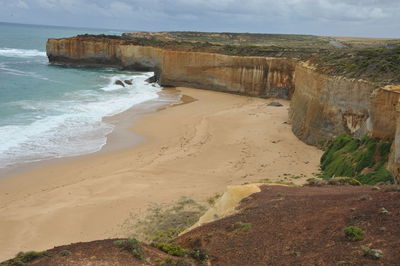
(277, 226)
(303, 226)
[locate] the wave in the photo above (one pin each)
(16, 72)
(72, 125)
(12, 52)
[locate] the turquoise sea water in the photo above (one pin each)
(50, 111)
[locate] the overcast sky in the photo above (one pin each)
(370, 18)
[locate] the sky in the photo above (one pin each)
(366, 18)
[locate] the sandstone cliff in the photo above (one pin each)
(255, 76)
(322, 106)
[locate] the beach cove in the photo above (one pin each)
(194, 149)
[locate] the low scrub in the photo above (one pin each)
(164, 222)
(171, 249)
(132, 246)
(240, 226)
(353, 233)
(336, 181)
(362, 159)
(199, 255)
(25, 257)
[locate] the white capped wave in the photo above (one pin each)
(16, 72)
(12, 52)
(73, 125)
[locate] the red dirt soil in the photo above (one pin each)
(304, 226)
(98, 253)
(277, 226)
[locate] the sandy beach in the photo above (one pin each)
(193, 150)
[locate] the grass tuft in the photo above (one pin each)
(131, 245)
(353, 233)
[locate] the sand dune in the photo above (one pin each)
(193, 150)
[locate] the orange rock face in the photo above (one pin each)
(255, 76)
(322, 106)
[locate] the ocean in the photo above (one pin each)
(50, 111)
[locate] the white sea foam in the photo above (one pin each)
(73, 125)
(12, 52)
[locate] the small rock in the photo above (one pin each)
(376, 188)
(128, 81)
(382, 229)
(275, 104)
(152, 79)
(383, 211)
(353, 209)
(118, 82)
(373, 253)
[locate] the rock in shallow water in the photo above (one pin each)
(128, 81)
(118, 82)
(152, 79)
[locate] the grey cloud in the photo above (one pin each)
(324, 17)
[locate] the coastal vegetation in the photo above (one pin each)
(132, 246)
(162, 223)
(25, 257)
(363, 159)
(354, 233)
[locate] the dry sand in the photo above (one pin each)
(194, 150)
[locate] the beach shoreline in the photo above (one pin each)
(193, 150)
(122, 137)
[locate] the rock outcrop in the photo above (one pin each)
(322, 106)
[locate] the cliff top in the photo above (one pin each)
(376, 60)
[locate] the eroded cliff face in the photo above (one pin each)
(322, 106)
(394, 121)
(255, 76)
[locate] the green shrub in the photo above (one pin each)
(385, 150)
(65, 252)
(379, 175)
(131, 245)
(24, 257)
(353, 233)
(200, 255)
(350, 157)
(366, 158)
(171, 249)
(241, 226)
(338, 143)
(340, 166)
